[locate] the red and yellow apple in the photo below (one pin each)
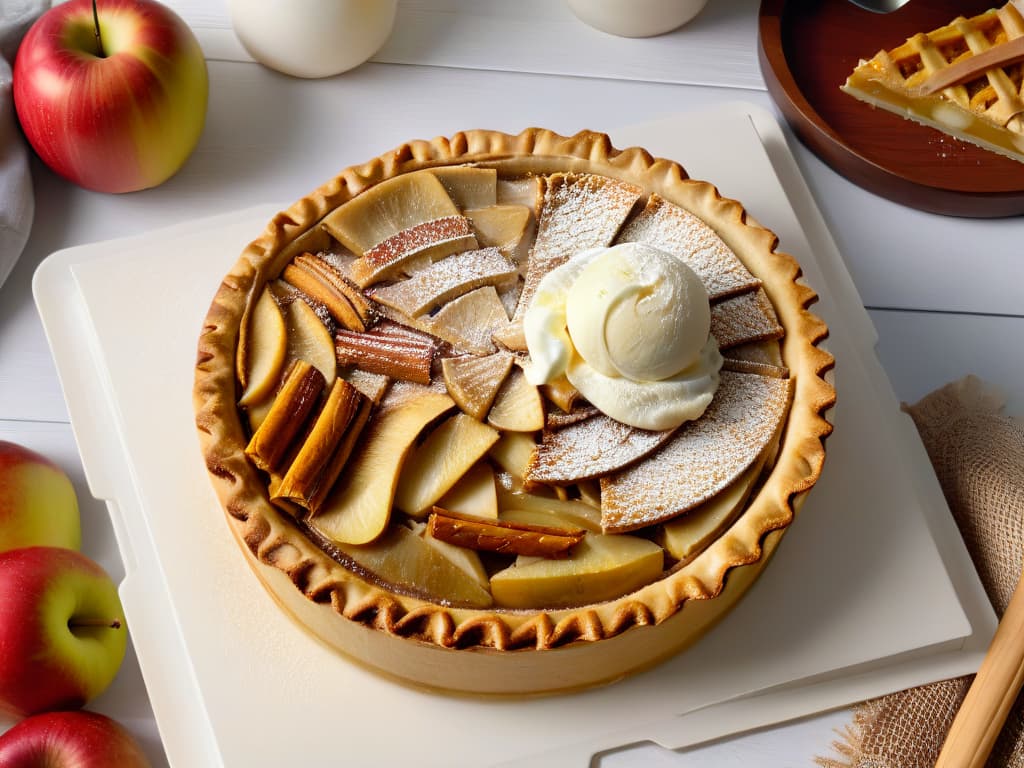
(38, 506)
(62, 630)
(70, 740)
(118, 112)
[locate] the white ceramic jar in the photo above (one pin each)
(636, 18)
(312, 38)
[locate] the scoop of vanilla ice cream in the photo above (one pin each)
(629, 327)
(637, 312)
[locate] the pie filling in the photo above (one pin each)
(984, 106)
(522, 391)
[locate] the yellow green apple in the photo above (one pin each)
(62, 630)
(38, 505)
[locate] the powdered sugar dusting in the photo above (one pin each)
(446, 279)
(750, 366)
(674, 230)
(580, 211)
(373, 385)
(468, 322)
(341, 259)
(591, 448)
(414, 239)
(757, 352)
(702, 458)
(740, 319)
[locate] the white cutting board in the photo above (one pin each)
(870, 591)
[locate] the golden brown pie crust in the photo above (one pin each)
(492, 650)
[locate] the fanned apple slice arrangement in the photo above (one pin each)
(382, 379)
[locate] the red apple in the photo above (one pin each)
(70, 740)
(38, 505)
(120, 114)
(62, 630)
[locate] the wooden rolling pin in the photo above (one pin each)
(992, 693)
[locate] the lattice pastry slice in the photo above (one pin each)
(964, 79)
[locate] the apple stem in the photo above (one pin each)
(96, 27)
(109, 624)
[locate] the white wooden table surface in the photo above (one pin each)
(944, 293)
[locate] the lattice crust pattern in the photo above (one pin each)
(996, 94)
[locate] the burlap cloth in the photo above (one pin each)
(978, 455)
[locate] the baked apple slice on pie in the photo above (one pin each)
(491, 413)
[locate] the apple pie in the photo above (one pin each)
(438, 466)
(965, 79)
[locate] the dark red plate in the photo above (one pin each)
(807, 50)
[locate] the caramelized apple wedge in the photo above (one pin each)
(466, 560)
(527, 191)
(501, 226)
(469, 322)
(413, 564)
(557, 513)
(473, 382)
(517, 406)
(387, 209)
(511, 337)
(309, 340)
(469, 187)
(327, 447)
(503, 536)
(271, 442)
(590, 493)
(474, 494)
(262, 346)
(562, 393)
(257, 413)
(512, 452)
(530, 506)
(437, 463)
(425, 242)
(358, 509)
(373, 385)
(599, 568)
(688, 535)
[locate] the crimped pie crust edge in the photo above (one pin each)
(273, 540)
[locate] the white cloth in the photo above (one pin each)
(16, 202)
